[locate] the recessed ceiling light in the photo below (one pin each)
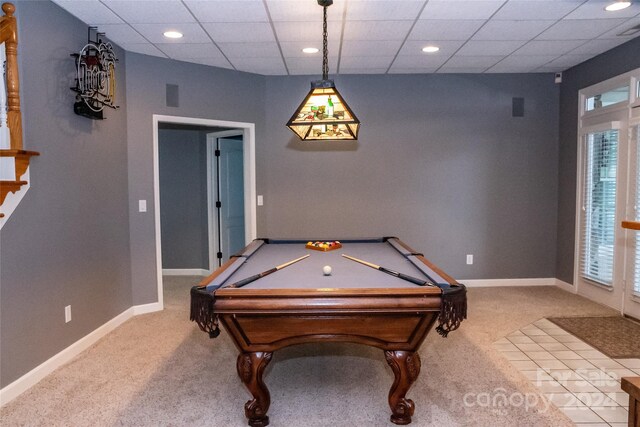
(173, 34)
(619, 5)
(430, 49)
(310, 50)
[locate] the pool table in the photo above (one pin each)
(354, 303)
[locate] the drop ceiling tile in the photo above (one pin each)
(549, 69)
(294, 49)
(499, 68)
(414, 48)
(361, 62)
(306, 31)
(422, 61)
(150, 11)
(228, 11)
(303, 70)
(549, 47)
(268, 66)
(212, 62)
(567, 61)
(240, 32)
(190, 50)
(90, 12)
(121, 34)
(376, 30)
(511, 30)
(296, 10)
(254, 50)
(597, 46)
(536, 10)
(579, 29)
(358, 10)
(613, 33)
(445, 69)
(490, 48)
(412, 70)
(473, 61)
(143, 48)
(370, 48)
(527, 61)
(362, 70)
(193, 33)
(594, 9)
(311, 66)
(447, 9)
(455, 29)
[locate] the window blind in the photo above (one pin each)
(599, 206)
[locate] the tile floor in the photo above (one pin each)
(583, 382)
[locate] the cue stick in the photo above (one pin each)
(408, 278)
(248, 280)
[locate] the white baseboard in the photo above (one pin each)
(566, 286)
(185, 272)
(486, 283)
(31, 378)
(147, 308)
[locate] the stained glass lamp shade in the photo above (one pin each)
(324, 114)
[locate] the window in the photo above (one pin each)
(610, 97)
(599, 206)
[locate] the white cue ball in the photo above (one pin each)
(326, 270)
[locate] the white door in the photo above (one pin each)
(631, 304)
(601, 239)
(231, 196)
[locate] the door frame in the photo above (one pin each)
(248, 131)
(212, 191)
(618, 116)
(631, 299)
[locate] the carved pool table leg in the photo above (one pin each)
(406, 368)
(250, 369)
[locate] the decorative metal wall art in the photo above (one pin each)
(95, 77)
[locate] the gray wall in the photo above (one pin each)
(205, 92)
(610, 64)
(183, 198)
(68, 240)
(440, 163)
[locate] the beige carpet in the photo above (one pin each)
(159, 369)
(616, 336)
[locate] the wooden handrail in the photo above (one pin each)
(9, 36)
(632, 225)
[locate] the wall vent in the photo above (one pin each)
(173, 98)
(517, 107)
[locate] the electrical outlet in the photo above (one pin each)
(142, 205)
(469, 259)
(260, 200)
(67, 314)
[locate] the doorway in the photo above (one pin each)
(247, 132)
(607, 257)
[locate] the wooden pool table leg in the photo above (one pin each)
(250, 369)
(406, 368)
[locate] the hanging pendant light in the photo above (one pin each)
(323, 114)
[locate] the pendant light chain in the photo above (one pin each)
(325, 50)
